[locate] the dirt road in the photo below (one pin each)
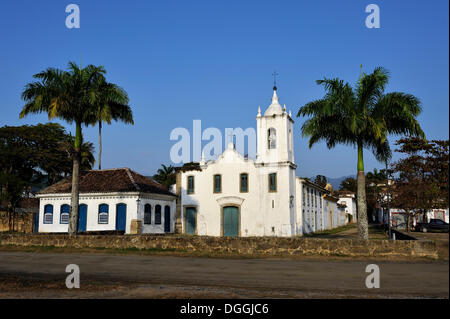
(42, 275)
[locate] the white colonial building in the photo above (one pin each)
(237, 196)
(348, 199)
(110, 200)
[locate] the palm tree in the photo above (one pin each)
(362, 117)
(111, 105)
(165, 175)
(71, 96)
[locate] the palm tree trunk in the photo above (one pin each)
(73, 223)
(363, 231)
(100, 144)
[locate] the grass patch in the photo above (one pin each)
(330, 231)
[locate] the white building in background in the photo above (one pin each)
(114, 199)
(349, 200)
(399, 218)
(237, 196)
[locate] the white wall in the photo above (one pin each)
(350, 202)
(163, 202)
(94, 200)
(262, 213)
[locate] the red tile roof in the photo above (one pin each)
(109, 181)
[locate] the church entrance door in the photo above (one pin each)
(190, 221)
(230, 221)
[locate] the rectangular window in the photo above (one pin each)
(190, 185)
(315, 198)
(273, 182)
(244, 183)
(217, 183)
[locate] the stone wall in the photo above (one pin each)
(23, 222)
(256, 246)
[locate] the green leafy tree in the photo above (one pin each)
(421, 181)
(363, 117)
(72, 96)
(348, 184)
(34, 156)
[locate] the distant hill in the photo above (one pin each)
(336, 182)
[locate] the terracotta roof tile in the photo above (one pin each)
(109, 181)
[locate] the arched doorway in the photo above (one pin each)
(230, 221)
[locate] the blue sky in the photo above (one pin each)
(213, 60)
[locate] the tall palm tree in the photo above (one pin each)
(165, 175)
(111, 103)
(362, 117)
(70, 96)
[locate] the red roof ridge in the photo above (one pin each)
(132, 179)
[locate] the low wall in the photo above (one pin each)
(263, 246)
(23, 222)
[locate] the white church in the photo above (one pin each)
(229, 196)
(237, 196)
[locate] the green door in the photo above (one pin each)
(190, 221)
(231, 221)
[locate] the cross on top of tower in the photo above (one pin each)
(274, 74)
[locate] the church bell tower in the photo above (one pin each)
(275, 134)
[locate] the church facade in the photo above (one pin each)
(237, 196)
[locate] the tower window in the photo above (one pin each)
(273, 182)
(272, 138)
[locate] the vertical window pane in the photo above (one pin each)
(147, 214)
(273, 182)
(157, 215)
(217, 183)
(244, 183)
(190, 189)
